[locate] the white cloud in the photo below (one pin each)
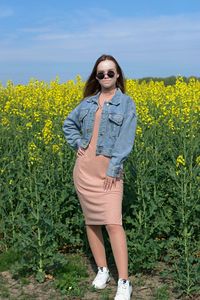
(164, 39)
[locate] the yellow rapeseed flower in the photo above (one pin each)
(198, 160)
(47, 131)
(180, 161)
(55, 148)
(29, 125)
(33, 154)
(5, 121)
(28, 106)
(139, 131)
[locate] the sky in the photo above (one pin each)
(45, 39)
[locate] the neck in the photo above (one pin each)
(108, 92)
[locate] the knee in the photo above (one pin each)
(113, 228)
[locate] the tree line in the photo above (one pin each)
(171, 80)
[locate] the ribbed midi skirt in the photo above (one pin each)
(99, 207)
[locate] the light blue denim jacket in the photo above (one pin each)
(116, 129)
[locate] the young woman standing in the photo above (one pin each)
(102, 130)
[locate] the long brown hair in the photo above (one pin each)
(92, 85)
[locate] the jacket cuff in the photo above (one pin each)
(113, 171)
(78, 142)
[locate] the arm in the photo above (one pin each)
(72, 128)
(124, 142)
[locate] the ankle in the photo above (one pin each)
(103, 268)
(123, 279)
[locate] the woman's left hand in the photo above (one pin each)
(108, 182)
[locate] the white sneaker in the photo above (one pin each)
(124, 290)
(101, 278)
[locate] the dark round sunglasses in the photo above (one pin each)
(101, 75)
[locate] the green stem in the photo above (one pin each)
(39, 239)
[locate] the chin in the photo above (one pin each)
(107, 84)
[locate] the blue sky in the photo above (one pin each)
(43, 39)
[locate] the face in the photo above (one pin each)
(108, 82)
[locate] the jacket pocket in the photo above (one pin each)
(115, 122)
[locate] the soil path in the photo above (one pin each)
(145, 287)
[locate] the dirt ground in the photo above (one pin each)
(144, 288)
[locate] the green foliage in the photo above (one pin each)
(39, 208)
(70, 277)
(40, 213)
(161, 293)
(7, 259)
(161, 205)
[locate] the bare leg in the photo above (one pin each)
(119, 247)
(96, 242)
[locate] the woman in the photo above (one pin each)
(102, 130)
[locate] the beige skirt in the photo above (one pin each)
(99, 207)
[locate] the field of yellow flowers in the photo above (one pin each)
(39, 207)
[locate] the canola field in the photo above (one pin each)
(37, 110)
(39, 208)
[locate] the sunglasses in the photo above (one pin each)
(101, 75)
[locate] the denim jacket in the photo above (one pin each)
(116, 129)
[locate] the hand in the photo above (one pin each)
(108, 182)
(80, 152)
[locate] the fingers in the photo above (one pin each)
(80, 152)
(108, 182)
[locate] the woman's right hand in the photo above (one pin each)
(80, 151)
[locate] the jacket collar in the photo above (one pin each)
(115, 99)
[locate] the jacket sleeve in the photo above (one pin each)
(72, 128)
(124, 142)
